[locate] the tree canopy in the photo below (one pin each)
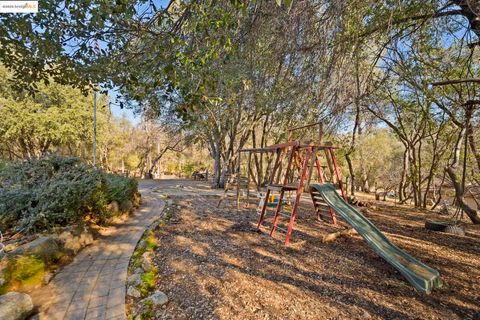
(231, 74)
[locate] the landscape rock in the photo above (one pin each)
(47, 277)
(126, 206)
(15, 306)
(135, 279)
(69, 241)
(157, 299)
(113, 207)
(147, 264)
(142, 244)
(86, 239)
(44, 247)
(132, 292)
(73, 242)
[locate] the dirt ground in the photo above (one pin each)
(215, 265)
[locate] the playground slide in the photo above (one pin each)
(421, 276)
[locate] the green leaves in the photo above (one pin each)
(57, 42)
(56, 117)
(41, 193)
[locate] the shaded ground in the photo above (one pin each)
(214, 265)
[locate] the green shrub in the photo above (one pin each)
(120, 188)
(148, 282)
(3, 165)
(41, 193)
(150, 241)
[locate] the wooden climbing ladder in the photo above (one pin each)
(303, 158)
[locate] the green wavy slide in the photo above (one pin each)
(421, 276)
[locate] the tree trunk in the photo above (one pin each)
(351, 173)
(159, 156)
(459, 196)
(401, 187)
(216, 166)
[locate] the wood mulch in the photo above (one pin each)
(214, 265)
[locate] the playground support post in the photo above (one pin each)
(337, 172)
(282, 191)
(299, 193)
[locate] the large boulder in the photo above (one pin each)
(44, 247)
(15, 306)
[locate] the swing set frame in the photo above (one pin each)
(292, 157)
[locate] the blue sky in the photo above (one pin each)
(127, 113)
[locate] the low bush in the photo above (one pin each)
(55, 191)
(3, 165)
(148, 282)
(120, 188)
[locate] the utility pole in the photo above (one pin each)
(96, 48)
(94, 128)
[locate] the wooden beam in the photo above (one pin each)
(290, 131)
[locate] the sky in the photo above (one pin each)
(118, 112)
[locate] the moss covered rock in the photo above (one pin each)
(22, 273)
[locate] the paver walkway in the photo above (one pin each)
(93, 285)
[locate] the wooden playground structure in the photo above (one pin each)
(294, 165)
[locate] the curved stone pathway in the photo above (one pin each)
(93, 285)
